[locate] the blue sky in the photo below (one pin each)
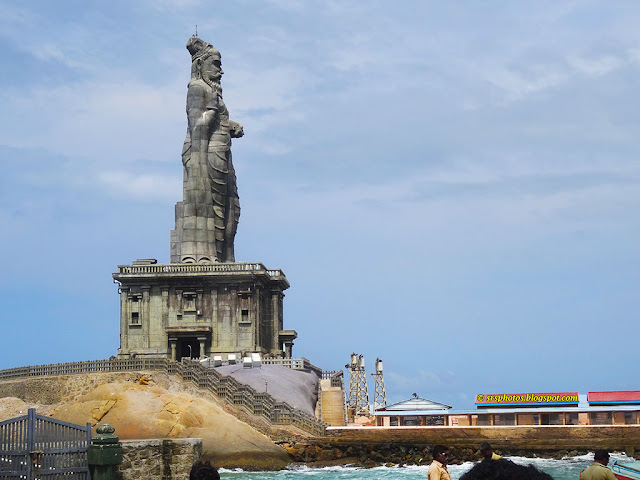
(450, 186)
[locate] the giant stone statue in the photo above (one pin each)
(207, 217)
(203, 303)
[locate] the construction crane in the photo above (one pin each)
(358, 391)
(379, 394)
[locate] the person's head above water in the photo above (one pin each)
(203, 471)
(485, 450)
(601, 456)
(504, 470)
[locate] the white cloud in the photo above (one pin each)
(272, 88)
(145, 187)
(476, 209)
(596, 67)
(290, 5)
(172, 5)
(518, 85)
(110, 121)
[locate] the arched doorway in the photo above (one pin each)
(188, 347)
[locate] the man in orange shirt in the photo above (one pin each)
(598, 469)
(438, 468)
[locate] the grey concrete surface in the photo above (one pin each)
(296, 387)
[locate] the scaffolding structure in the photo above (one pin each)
(379, 394)
(358, 391)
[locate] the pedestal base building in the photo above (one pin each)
(197, 310)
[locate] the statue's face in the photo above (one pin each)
(212, 68)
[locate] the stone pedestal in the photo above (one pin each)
(196, 310)
(104, 454)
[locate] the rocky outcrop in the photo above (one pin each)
(146, 406)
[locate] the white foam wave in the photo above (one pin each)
(566, 468)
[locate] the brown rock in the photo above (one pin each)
(163, 408)
(325, 455)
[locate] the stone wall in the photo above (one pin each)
(547, 437)
(164, 459)
(370, 446)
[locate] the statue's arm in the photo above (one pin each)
(186, 149)
(202, 110)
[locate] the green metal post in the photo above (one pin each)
(105, 453)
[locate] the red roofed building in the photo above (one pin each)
(628, 397)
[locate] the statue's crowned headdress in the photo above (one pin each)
(199, 49)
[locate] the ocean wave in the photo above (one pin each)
(567, 468)
(575, 459)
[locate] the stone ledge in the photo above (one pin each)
(194, 442)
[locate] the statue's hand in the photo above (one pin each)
(236, 130)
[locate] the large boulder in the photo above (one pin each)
(148, 406)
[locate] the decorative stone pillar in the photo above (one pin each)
(164, 291)
(145, 314)
(214, 319)
(254, 313)
(179, 303)
(275, 322)
(104, 454)
(172, 342)
(288, 350)
(199, 301)
(125, 319)
(202, 341)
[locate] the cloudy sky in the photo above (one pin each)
(451, 186)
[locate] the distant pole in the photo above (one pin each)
(380, 394)
(358, 392)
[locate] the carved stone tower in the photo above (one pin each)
(203, 303)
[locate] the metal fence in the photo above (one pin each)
(36, 447)
(226, 388)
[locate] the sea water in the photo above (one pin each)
(565, 469)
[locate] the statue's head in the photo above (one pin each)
(205, 60)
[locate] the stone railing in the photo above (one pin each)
(336, 377)
(226, 388)
(294, 364)
(182, 268)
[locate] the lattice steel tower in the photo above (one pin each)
(358, 391)
(380, 394)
